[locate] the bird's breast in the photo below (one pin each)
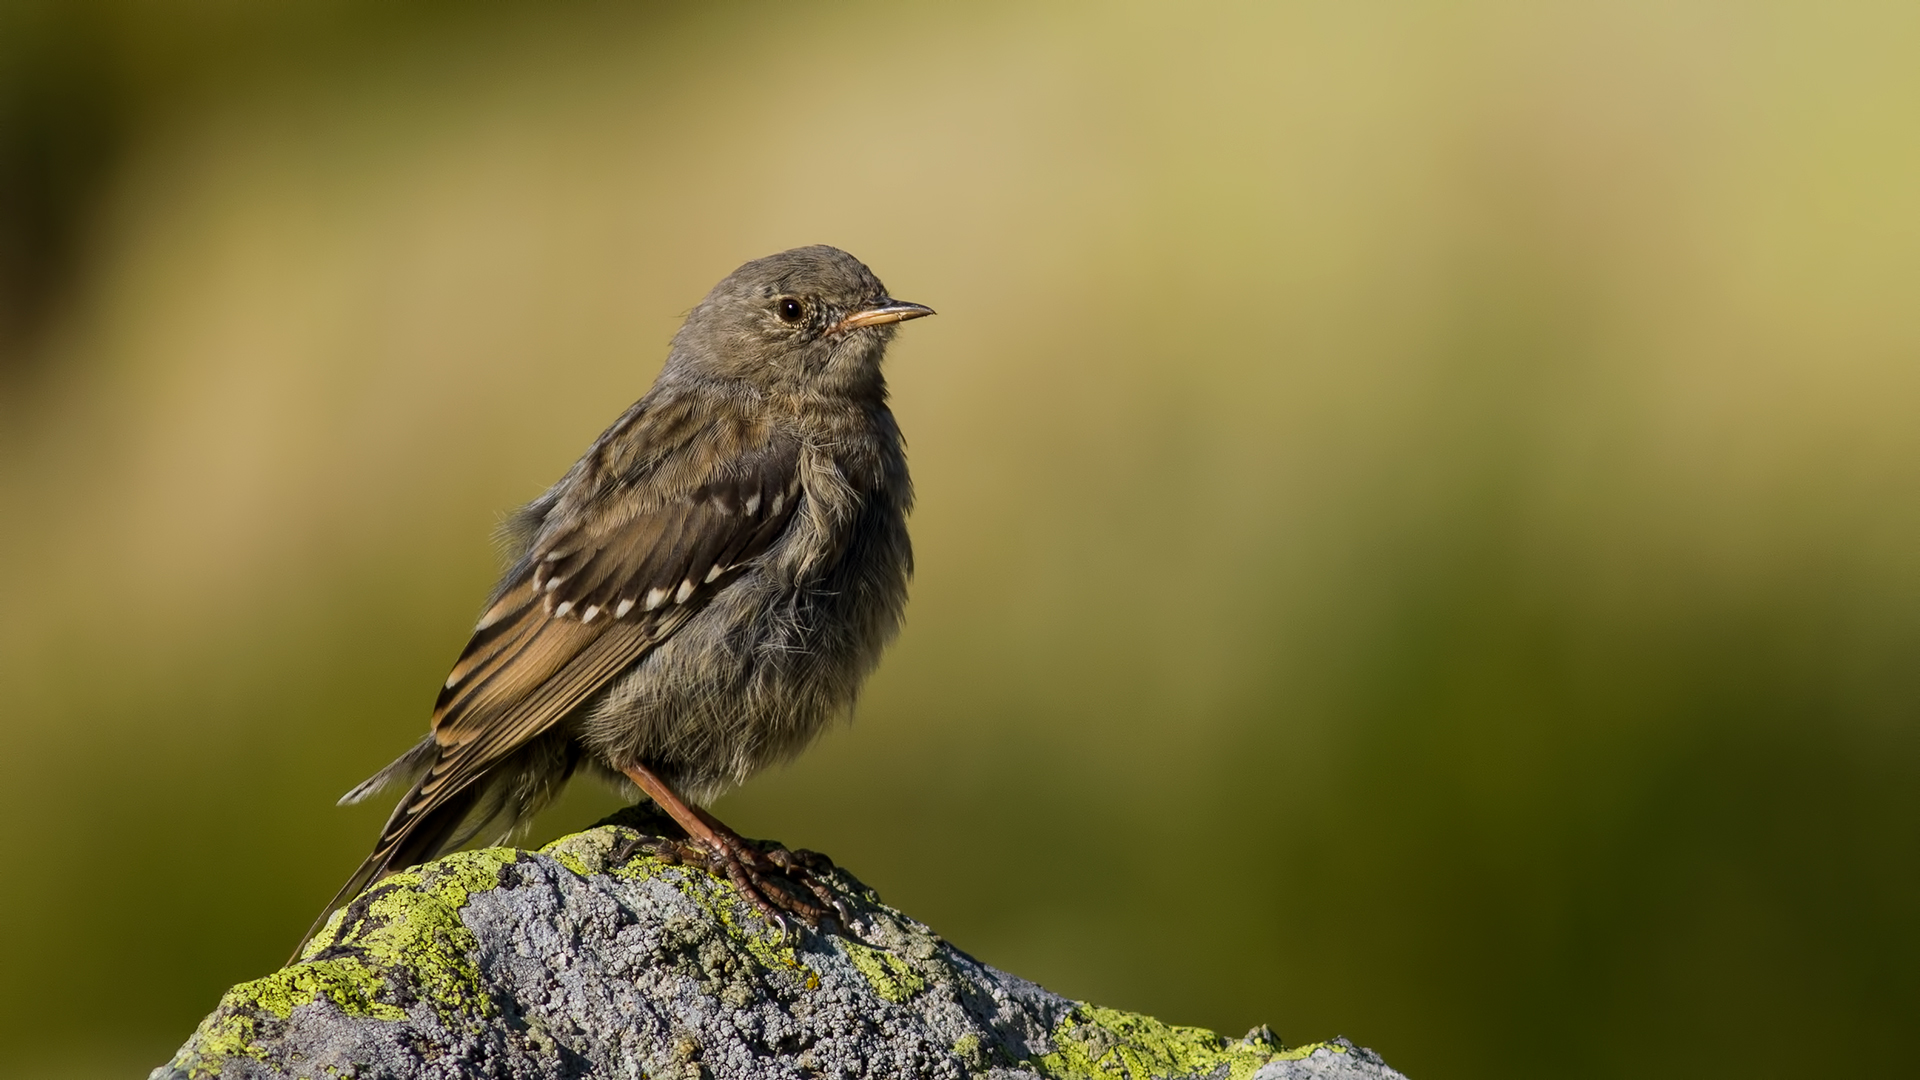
(844, 485)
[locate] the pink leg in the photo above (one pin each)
(766, 879)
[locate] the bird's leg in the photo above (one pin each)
(797, 865)
(766, 879)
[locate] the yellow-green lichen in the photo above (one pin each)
(719, 899)
(1299, 1053)
(410, 922)
(1095, 1043)
(346, 981)
(221, 1038)
(575, 851)
(890, 976)
(972, 1052)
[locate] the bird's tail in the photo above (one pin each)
(408, 838)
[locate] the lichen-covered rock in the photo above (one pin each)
(568, 963)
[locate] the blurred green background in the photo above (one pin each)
(1420, 502)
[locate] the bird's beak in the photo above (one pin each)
(886, 311)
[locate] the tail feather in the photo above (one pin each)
(408, 840)
(463, 802)
(408, 766)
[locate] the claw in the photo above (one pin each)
(779, 883)
(813, 860)
(830, 899)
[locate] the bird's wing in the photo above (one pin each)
(595, 593)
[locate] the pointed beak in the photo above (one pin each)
(882, 313)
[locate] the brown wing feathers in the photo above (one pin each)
(657, 559)
(587, 601)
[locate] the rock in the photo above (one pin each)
(566, 963)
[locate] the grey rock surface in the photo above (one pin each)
(573, 962)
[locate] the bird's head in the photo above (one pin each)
(813, 319)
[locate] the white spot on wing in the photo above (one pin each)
(560, 611)
(620, 610)
(753, 503)
(779, 500)
(553, 583)
(686, 590)
(715, 572)
(587, 615)
(655, 597)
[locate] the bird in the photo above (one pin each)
(697, 597)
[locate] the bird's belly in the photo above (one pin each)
(750, 679)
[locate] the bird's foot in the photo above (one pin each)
(783, 885)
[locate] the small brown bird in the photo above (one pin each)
(699, 595)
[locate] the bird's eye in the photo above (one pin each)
(789, 309)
